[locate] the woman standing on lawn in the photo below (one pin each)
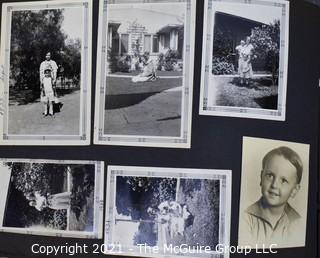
(240, 59)
(246, 66)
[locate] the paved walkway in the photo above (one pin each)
(28, 119)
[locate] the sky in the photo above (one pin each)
(5, 174)
(260, 13)
(72, 24)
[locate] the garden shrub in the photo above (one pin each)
(222, 66)
(124, 64)
(168, 60)
(113, 61)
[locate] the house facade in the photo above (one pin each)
(128, 37)
(230, 30)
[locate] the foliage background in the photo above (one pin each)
(266, 42)
(33, 34)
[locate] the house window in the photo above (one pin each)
(124, 43)
(155, 45)
(115, 44)
(166, 41)
(147, 43)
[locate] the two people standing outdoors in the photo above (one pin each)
(48, 78)
(245, 52)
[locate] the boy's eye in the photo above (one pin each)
(284, 181)
(269, 176)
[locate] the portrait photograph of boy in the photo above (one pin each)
(45, 70)
(274, 193)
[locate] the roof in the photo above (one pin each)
(239, 18)
(152, 20)
(169, 27)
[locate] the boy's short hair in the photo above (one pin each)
(289, 155)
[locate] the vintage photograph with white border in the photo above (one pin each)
(45, 83)
(52, 197)
(245, 59)
(167, 212)
(274, 193)
(144, 79)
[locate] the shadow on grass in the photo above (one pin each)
(269, 101)
(26, 96)
(126, 100)
(255, 83)
(169, 118)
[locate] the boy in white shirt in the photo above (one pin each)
(47, 92)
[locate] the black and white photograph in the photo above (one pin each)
(274, 193)
(46, 55)
(55, 198)
(245, 55)
(167, 211)
(145, 73)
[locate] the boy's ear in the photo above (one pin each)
(261, 177)
(295, 191)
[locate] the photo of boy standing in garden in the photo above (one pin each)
(277, 216)
(41, 41)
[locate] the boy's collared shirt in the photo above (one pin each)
(262, 230)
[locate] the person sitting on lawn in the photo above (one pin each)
(149, 70)
(47, 92)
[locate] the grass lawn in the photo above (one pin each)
(120, 86)
(122, 92)
(159, 73)
(145, 108)
(259, 94)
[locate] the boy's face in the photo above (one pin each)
(278, 181)
(47, 74)
(48, 56)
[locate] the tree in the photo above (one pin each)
(71, 60)
(136, 194)
(33, 34)
(266, 42)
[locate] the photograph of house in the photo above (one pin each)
(144, 80)
(234, 29)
